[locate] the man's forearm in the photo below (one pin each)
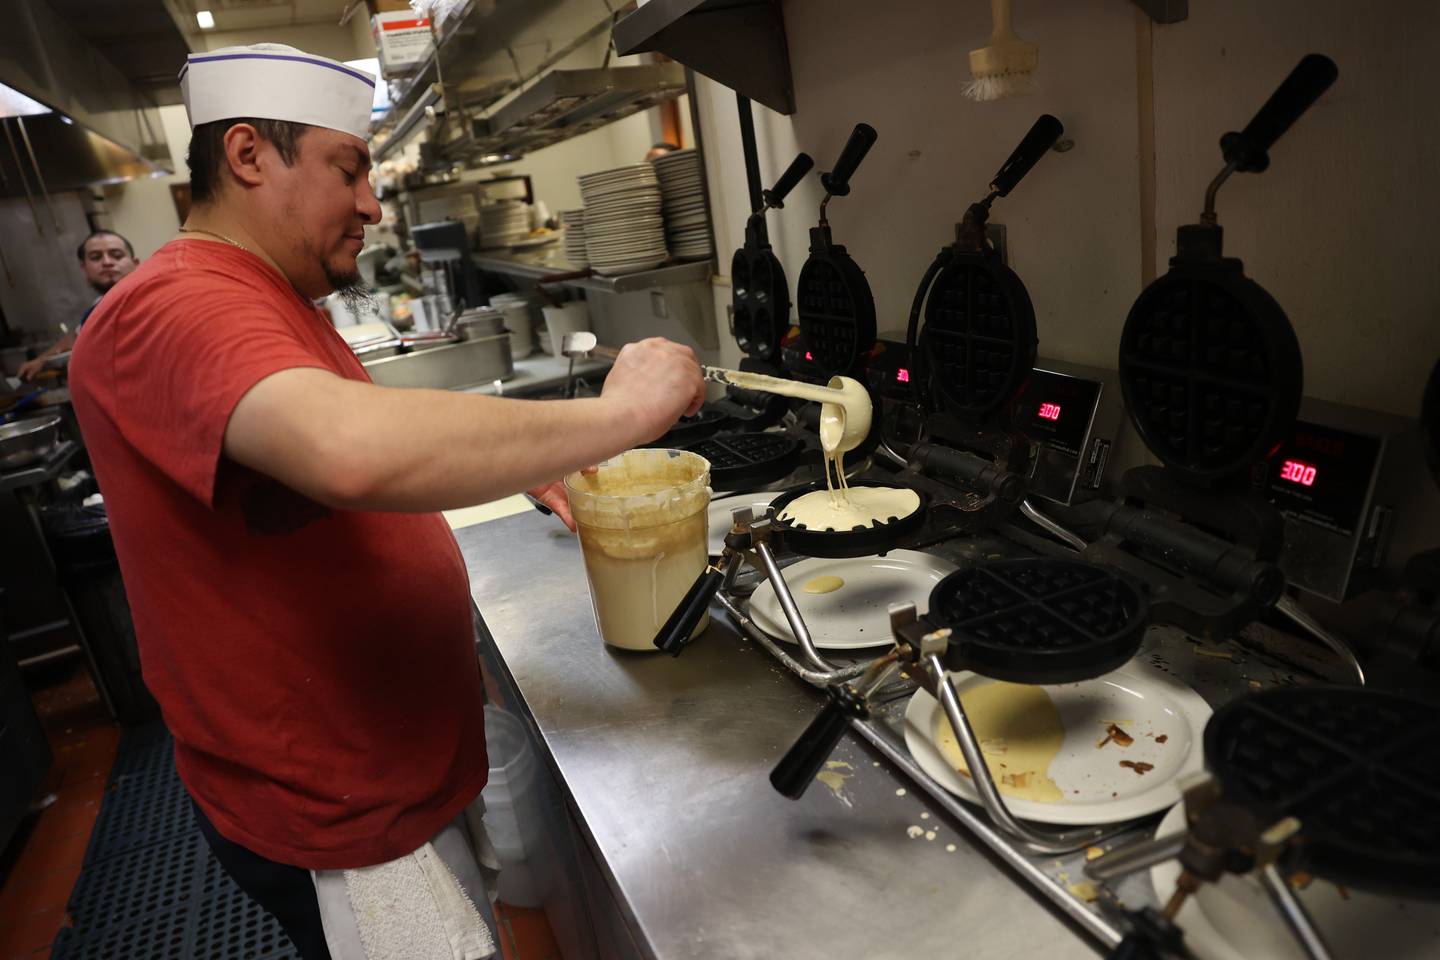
(357, 446)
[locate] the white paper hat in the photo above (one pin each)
(270, 81)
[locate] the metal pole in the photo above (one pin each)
(752, 155)
(1296, 918)
(792, 612)
(39, 177)
(1052, 843)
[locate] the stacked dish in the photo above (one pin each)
(504, 223)
(574, 223)
(682, 192)
(624, 231)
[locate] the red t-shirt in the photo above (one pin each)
(316, 667)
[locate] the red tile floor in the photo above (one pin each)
(40, 866)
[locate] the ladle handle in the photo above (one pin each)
(676, 632)
(1041, 138)
(837, 181)
(1247, 150)
(803, 760)
(801, 165)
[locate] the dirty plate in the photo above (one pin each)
(1164, 718)
(1354, 923)
(856, 614)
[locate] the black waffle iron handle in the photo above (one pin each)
(676, 632)
(1041, 138)
(801, 165)
(1247, 150)
(837, 181)
(803, 760)
(980, 475)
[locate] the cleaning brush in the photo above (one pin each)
(1006, 66)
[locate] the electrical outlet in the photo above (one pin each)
(658, 306)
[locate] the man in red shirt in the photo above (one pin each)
(302, 610)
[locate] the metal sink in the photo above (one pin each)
(464, 364)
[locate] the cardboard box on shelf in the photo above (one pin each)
(403, 41)
(388, 6)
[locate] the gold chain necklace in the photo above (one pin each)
(217, 236)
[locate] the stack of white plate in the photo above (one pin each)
(682, 192)
(504, 223)
(624, 231)
(574, 223)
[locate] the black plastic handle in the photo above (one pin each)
(676, 632)
(801, 165)
(1311, 77)
(982, 476)
(1041, 138)
(837, 181)
(803, 760)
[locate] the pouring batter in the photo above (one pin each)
(845, 415)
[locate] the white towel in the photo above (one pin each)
(414, 907)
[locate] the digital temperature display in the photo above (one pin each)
(1050, 411)
(1297, 472)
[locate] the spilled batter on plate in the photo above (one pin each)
(1020, 733)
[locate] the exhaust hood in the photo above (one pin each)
(101, 128)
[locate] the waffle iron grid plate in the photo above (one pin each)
(1039, 620)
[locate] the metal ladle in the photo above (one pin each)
(845, 408)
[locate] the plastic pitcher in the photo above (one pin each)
(643, 528)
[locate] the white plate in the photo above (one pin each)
(857, 615)
(1357, 924)
(720, 511)
(1145, 703)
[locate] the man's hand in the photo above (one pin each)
(30, 369)
(657, 381)
(553, 496)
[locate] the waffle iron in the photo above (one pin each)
(1035, 621)
(760, 293)
(1356, 767)
(744, 461)
(974, 354)
(978, 344)
(1333, 782)
(833, 299)
(1209, 364)
(1211, 374)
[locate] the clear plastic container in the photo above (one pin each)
(512, 810)
(643, 527)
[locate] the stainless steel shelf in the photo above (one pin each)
(567, 103)
(550, 260)
(738, 43)
(480, 59)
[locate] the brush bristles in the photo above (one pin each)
(1004, 69)
(999, 87)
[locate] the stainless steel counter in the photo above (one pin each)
(664, 763)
